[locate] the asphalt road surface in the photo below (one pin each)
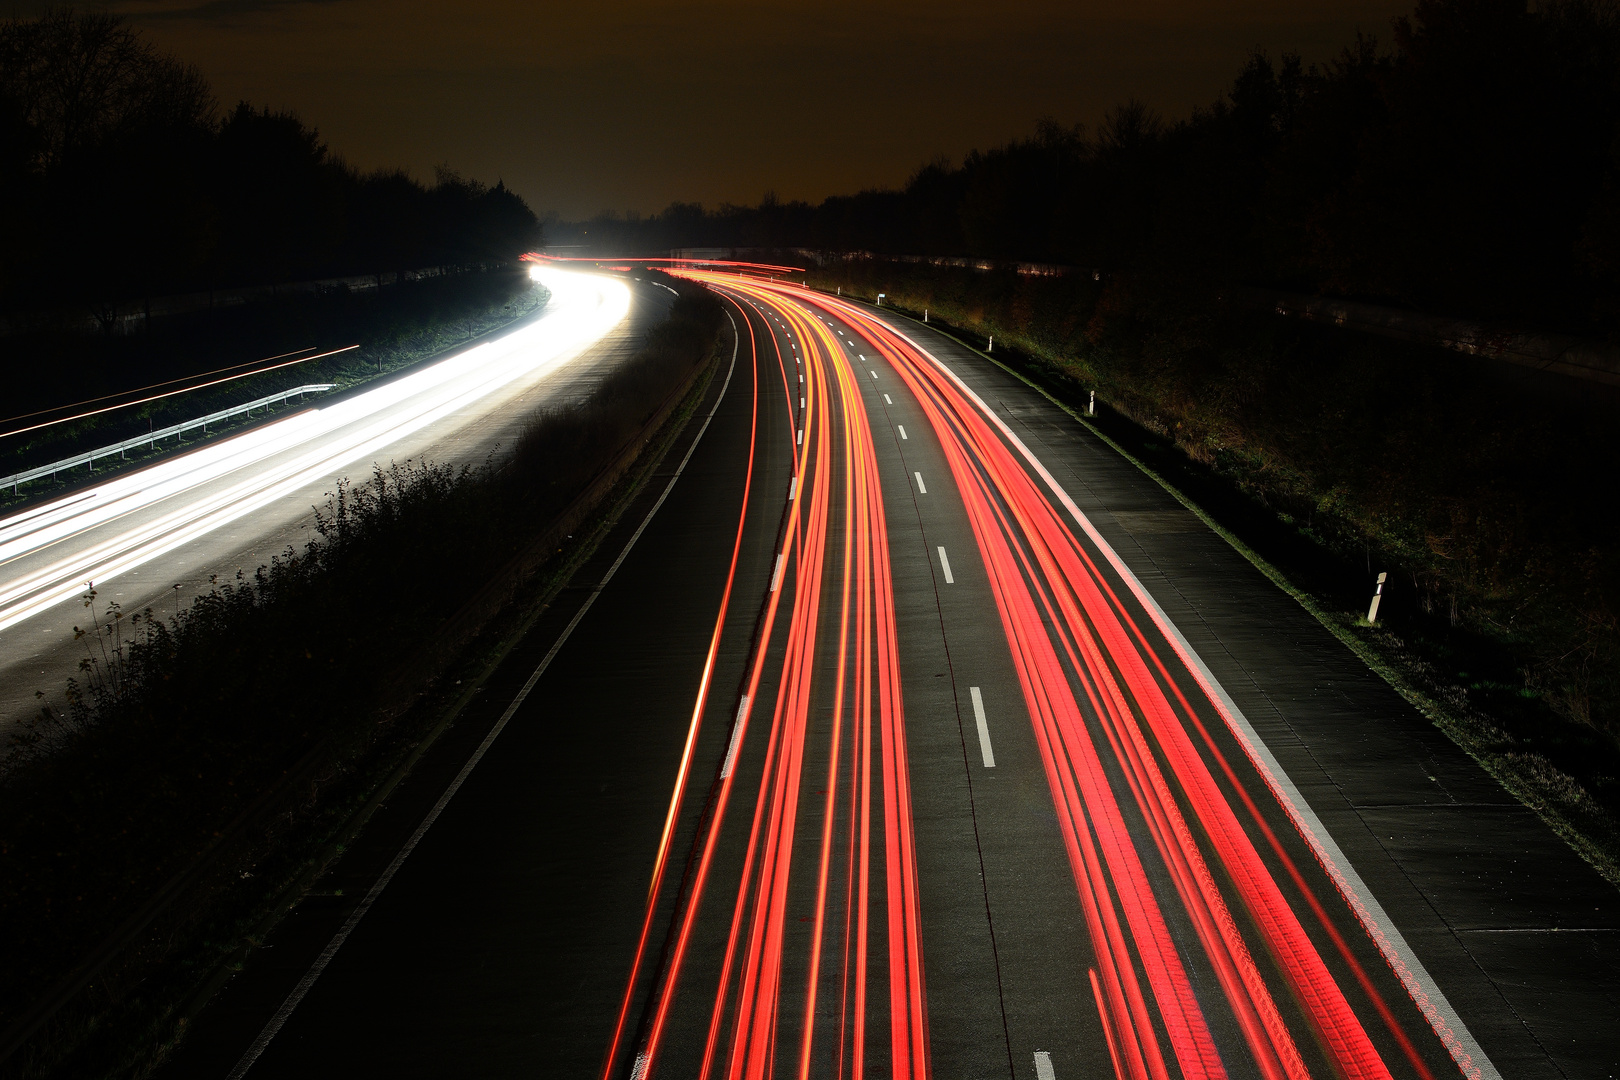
(901, 728)
(154, 536)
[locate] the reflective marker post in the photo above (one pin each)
(1372, 612)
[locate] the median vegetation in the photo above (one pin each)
(227, 742)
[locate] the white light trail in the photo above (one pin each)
(178, 500)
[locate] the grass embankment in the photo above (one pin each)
(241, 736)
(395, 326)
(1329, 456)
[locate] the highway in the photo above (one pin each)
(899, 729)
(233, 503)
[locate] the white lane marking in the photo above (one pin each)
(801, 401)
(874, 374)
(945, 562)
(902, 428)
(736, 739)
(801, 376)
(276, 1022)
(887, 400)
(984, 731)
(793, 488)
(1043, 1066)
(921, 487)
(776, 575)
(800, 440)
(1432, 1002)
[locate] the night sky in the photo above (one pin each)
(632, 105)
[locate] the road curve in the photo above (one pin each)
(905, 730)
(232, 503)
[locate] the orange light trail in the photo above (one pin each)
(1117, 669)
(835, 528)
(661, 861)
(169, 393)
(1115, 725)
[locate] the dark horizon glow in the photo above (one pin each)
(583, 109)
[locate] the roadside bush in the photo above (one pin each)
(177, 726)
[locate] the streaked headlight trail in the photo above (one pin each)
(47, 554)
(1222, 941)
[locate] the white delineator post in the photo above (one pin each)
(881, 295)
(1091, 410)
(992, 346)
(1378, 593)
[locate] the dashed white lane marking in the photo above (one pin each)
(736, 739)
(887, 400)
(945, 563)
(902, 428)
(800, 440)
(1440, 1013)
(984, 728)
(1043, 1066)
(801, 402)
(793, 488)
(874, 374)
(776, 575)
(921, 487)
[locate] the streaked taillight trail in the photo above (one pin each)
(1200, 957)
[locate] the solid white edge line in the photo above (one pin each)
(984, 728)
(1426, 993)
(282, 1014)
(946, 563)
(921, 487)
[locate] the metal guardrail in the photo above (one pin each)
(88, 459)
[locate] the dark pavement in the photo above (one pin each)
(503, 944)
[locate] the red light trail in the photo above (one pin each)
(1121, 736)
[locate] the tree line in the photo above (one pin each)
(122, 177)
(1469, 165)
